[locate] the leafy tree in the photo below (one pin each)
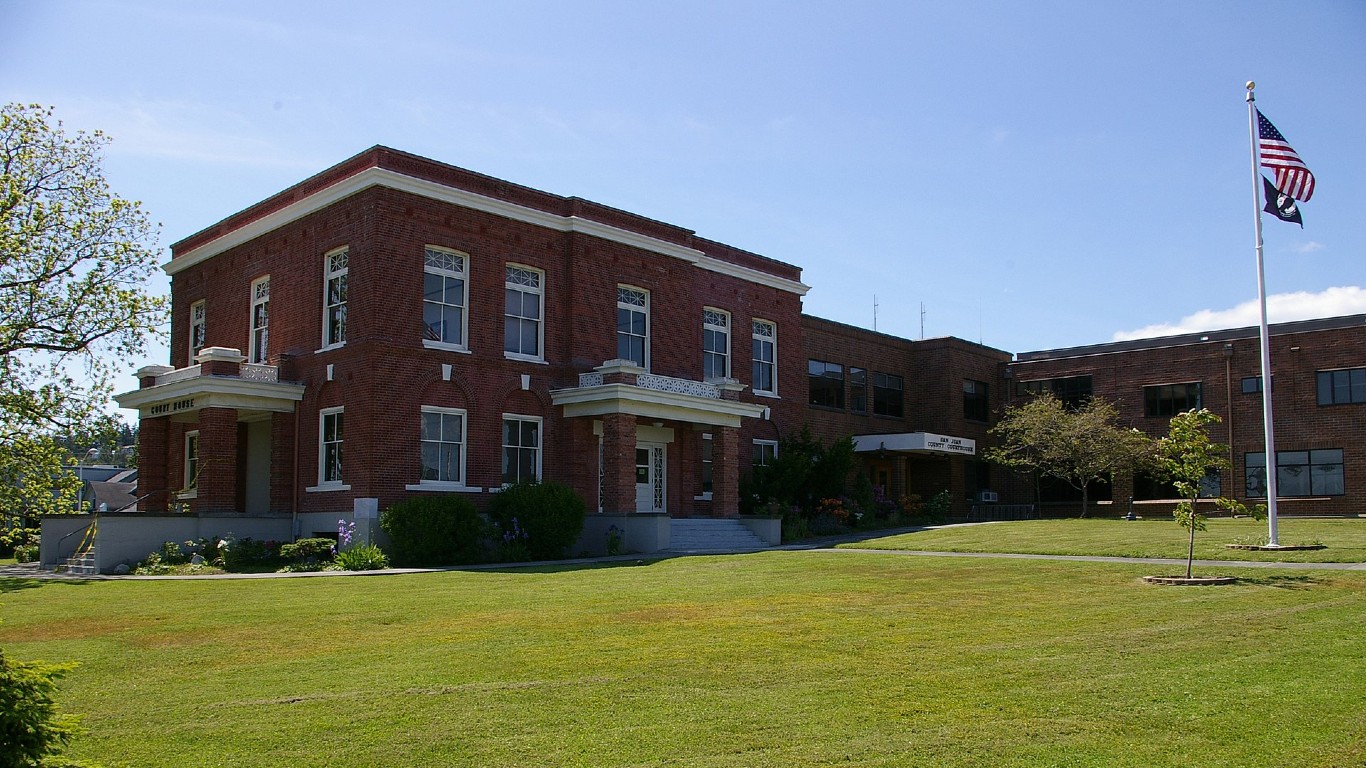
(803, 472)
(1078, 446)
(74, 260)
(1187, 455)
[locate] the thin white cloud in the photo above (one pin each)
(1309, 247)
(1280, 308)
(181, 130)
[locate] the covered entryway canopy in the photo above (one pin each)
(916, 442)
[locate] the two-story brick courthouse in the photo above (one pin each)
(396, 326)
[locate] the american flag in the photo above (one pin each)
(1292, 176)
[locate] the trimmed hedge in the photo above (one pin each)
(547, 517)
(435, 530)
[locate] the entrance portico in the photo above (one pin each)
(890, 454)
(634, 412)
(229, 423)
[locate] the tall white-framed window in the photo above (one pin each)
(524, 288)
(704, 484)
(633, 325)
(197, 327)
(715, 344)
(191, 465)
(765, 358)
(330, 446)
(521, 448)
(445, 298)
(335, 269)
(443, 445)
(260, 320)
(765, 451)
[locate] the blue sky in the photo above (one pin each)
(1035, 175)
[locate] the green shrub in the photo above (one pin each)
(26, 553)
(938, 505)
(32, 728)
(362, 557)
(308, 550)
(435, 530)
(544, 517)
(249, 555)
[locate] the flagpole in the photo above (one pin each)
(1270, 466)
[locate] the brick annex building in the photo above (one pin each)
(396, 326)
(1318, 402)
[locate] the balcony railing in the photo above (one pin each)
(660, 384)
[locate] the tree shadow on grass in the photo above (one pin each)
(1278, 581)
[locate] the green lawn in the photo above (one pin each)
(1345, 539)
(772, 659)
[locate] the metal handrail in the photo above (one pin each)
(87, 529)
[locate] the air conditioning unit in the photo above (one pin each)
(988, 497)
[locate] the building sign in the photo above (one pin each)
(175, 406)
(948, 444)
(915, 442)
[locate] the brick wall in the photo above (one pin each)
(383, 374)
(1219, 363)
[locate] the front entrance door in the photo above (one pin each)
(650, 464)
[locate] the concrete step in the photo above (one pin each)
(702, 534)
(82, 564)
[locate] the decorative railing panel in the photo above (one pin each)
(679, 386)
(258, 372)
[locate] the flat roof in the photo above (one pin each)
(1201, 337)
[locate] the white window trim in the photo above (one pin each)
(190, 491)
(464, 275)
(446, 485)
(730, 322)
(774, 340)
(328, 275)
(773, 443)
(540, 324)
(329, 485)
(201, 308)
(255, 355)
(706, 495)
(646, 310)
(540, 444)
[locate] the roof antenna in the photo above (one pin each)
(922, 321)
(875, 312)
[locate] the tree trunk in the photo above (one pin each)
(1083, 500)
(1190, 548)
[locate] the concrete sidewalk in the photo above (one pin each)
(826, 545)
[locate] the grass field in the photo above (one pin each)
(1344, 539)
(771, 659)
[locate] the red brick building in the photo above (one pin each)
(918, 411)
(397, 326)
(1318, 403)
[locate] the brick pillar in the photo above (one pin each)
(618, 463)
(725, 472)
(282, 445)
(217, 490)
(898, 488)
(154, 464)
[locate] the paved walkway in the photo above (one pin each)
(825, 545)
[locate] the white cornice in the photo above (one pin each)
(214, 391)
(433, 190)
(652, 403)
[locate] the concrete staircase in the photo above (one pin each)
(712, 535)
(82, 563)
